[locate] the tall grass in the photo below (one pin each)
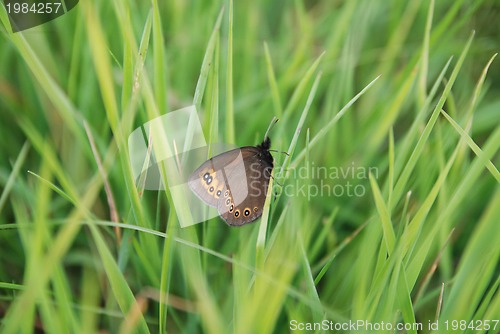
(385, 207)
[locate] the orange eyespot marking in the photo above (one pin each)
(246, 212)
(237, 213)
(255, 209)
(231, 208)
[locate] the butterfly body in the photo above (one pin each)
(235, 182)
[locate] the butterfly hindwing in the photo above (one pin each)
(234, 209)
(237, 213)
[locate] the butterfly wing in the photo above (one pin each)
(207, 181)
(236, 209)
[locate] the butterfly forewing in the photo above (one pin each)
(208, 181)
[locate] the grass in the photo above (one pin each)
(390, 108)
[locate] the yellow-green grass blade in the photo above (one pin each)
(405, 174)
(118, 284)
(385, 217)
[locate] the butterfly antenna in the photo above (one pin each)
(283, 152)
(273, 121)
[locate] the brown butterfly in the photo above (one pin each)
(235, 182)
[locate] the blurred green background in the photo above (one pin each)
(84, 248)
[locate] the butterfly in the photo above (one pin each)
(235, 182)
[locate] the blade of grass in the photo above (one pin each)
(478, 265)
(300, 124)
(261, 238)
(117, 281)
(207, 62)
(324, 130)
(405, 174)
(335, 252)
(424, 59)
(385, 217)
(476, 149)
(229, 80)
(21, 158)
(275, 94)
(159, 56)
